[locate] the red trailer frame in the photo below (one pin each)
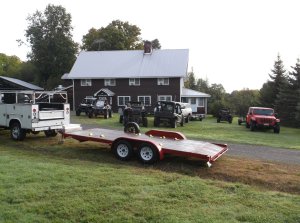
(152, 145)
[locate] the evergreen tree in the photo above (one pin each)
(190, 81)
(278, 80)
(295, 94)
(288, 97)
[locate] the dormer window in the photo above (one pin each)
(134, 81)
(162, 81)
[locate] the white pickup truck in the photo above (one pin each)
(26, 111)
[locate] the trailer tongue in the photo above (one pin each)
(151, 146)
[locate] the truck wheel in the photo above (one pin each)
(277, 129)
(132, 127)
(173, 123)
(78, 112)
(182, 120)
(252, 126)
(147, 153)
(247, 125)
(122, 150)
(145, 122)
(16, 132)
(156, 122)
(50, 133)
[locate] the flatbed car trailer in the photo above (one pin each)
(151, 146)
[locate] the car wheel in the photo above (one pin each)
(252, 126)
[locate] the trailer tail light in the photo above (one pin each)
(67, 110)
(34, 113)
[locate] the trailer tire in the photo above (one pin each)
(50, 133)
(147, 153)
(132, 127)
(122, 150)
(16, 132)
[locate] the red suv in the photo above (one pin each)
(259, 117)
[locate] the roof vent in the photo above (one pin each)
(147, 47)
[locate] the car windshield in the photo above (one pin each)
(267, 112)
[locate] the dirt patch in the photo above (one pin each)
(265, 175)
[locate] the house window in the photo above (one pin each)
(162, 81)
(146, 100)
(86, 82)
(134, 81)
(165, 97)
(201, 102)
(193, 101)
(123, 100)
(109, 82)
(184, 100)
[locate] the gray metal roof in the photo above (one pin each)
(8, 83)
(192, 93)
(130, 63)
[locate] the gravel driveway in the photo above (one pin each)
(288, 156)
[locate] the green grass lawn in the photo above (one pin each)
(43, 181)
(210, 130)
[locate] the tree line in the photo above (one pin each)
(281, 92)
(53, 53)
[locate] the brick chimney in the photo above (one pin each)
(147, 47)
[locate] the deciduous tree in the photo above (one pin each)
(53, 51)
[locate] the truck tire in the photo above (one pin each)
(182, 120)
(123, 150)
(277, 129)
(145, 122)
(173, 123)
(16, 132)
(132, 127)
(252, 126)
(156, 122)
(105, 114)
(147, 153)
(50, 133)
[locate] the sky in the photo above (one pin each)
(231, 42)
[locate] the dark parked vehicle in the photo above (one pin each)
(168, 112)
(86, 105)
(224, 115)
(134, 112)
(101, 107)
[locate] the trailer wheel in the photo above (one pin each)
(50, 133)
(122, 150)
(132, 127)
(147, 153)
(16, 132)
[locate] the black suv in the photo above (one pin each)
(85, 105)
(101, 107)
(168, 112)
(224, 115)
(134, 112)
